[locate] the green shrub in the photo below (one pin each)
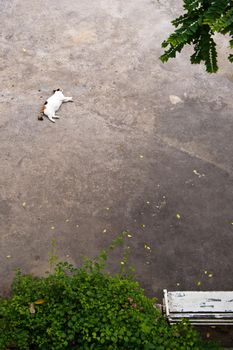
(86, 309)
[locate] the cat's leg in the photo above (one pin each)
(51, 116)
(67, 99)
(56, 117)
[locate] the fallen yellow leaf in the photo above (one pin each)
(39, 302)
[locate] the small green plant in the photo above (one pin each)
(196, 27)
(86, 308)
(53, 258)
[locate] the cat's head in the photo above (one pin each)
(57, 90)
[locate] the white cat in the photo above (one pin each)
(52, 105)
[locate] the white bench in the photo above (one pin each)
(200, 308)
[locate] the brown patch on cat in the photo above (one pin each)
(40, 117)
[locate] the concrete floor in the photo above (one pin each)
(123, 155)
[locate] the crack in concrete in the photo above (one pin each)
(205, 158)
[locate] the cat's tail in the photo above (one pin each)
(41, 115)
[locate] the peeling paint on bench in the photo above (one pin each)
(202, 307)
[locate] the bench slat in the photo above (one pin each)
(202, 322)
(200, 301)
(200, 315)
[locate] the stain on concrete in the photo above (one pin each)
(5, 208)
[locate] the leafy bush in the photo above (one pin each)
(86, 309)
(201, 19)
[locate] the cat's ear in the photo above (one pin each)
(54, 91)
